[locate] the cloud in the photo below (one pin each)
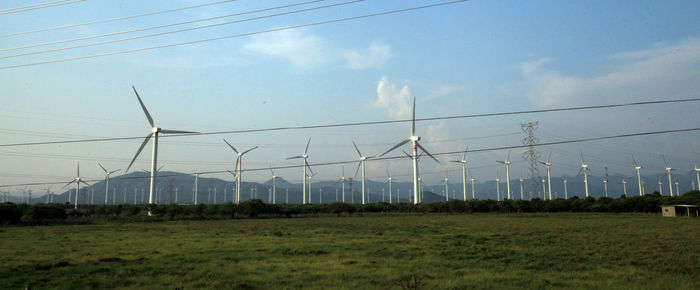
(397, 102)
(298, 48)
(373, 57)
(667, 71)
(441, 91)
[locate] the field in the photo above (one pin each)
(372, 251)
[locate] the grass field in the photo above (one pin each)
(371, 251)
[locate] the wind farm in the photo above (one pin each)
(579, 116)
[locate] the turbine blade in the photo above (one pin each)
(550, 156)
(635, 161)
(579, 171)
(159, 168)
(148, 116)
(407, 155)
(358, 168)
(358, 150)
(464, 157)
(387, 173)
(83, 182)
(229, 171)
(413, 118)
(508, 158)
(395, 146)
(307, 146)
(113, 171)
(295, 157)
(103, 169)
(69, 183)
(145, 141)
(165, 131)
(426, 152)
(502, 162)
(78, 169)
(665, 163)
(308, 167)
(251, 149)
(456, 161)
(582, 162)
(229, 145)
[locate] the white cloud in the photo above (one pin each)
(300, 49)
(397, 102)
(532, 66)
(374, 56)
(661, 72)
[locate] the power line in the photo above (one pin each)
(157, 27)
(38, 6)
(234, 35)
(366, 123)
(390, 157)
(174, 31)
(114, 19)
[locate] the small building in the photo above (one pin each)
(680, 210)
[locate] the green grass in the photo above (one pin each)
(373, 251)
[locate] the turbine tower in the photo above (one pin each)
(239, 165)
(638, 167)
(463, 161)
(361, 164)
(414, 141)
(566, 193)
(584, 168)
(668, 170)
(342, 181)
(155, 131)
(303, 178)
(107, 173)
(549, 180)
(624, 186)
(498, 188)
(77, 181)
(447, 194)
(389, 180)
(507, 164)
(697, 174)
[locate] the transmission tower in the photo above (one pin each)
(530, 155)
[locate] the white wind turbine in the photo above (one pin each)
(472, 179)
(389, 180)
(274, 186)
(239, 166)
(361, 164)
(447, 182)
(309, 179)
(661, 190)
(414, 141)
(77, 181)
(585, 169)
(521, 188)
(463, 161)
(668, 170)
(498, 186)
(566, 193)
(697, 174)
(303, 179)
(624, 186)
(638, 167)
(507, 164)
(107, 174)
(342, 181)
(549, 180)
(155, 131)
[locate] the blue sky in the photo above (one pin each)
(465, 58)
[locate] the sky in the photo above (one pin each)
(470, 57)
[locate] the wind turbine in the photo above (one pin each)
(274, 186)
(447, 193)
(342, 181)
(389, 180)
(361, 164)
(668, 170)
(498, 188)
(678, 193)
(624, 186)
(584, 168)
(507, 164)
(566, 193)
(155, 131)
(638, 167)
(414, 141)
(107, 174)
(605, 181)
(549, 180)
(471, 178)
(77, 181)
(697, 174)
(306, 165)
(309, 178)
(661, 191)
(521, 188)
(463, 161)
(239, 166)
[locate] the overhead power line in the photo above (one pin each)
(320, 126)
(389, 157)
(114, 19)
(235, 35)
(154, 27)
(178, 31)
(38, 6)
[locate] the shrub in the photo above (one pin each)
(41, 214)
(9, 213)
(252, 208)
(340, 207)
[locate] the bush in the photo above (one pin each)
(340, 207)
(41, 214)
(252, 208)
(10, 214)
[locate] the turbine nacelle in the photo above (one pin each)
(414, 138)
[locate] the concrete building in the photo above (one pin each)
(679, 210)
